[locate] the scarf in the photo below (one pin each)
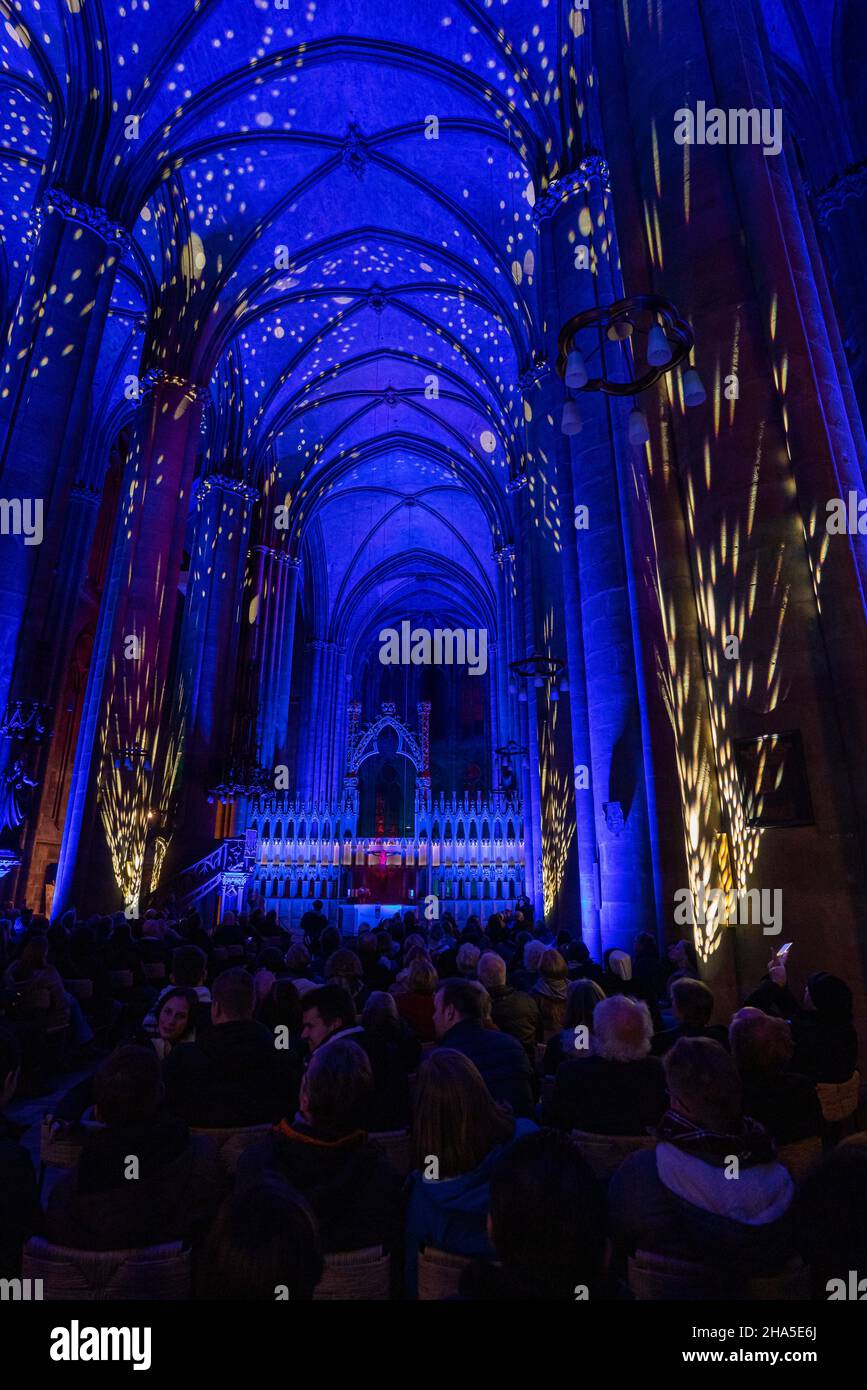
(551, 989)
(751, 1146)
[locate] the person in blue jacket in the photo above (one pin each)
(459, 1132)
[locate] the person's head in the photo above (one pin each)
(830, 996)
(379, 1012)
(325, 1011)
(337, 1092)
(176, 1015)
(692, 1002)
(127, 1088)
(412, 943)
(831, 1216)
(682, 955)
(454, 1115)
(492, 970)
(344, 968)
(264, 1241)
(10, 1065)
(533, 953)
(233, 996)
(34, 956)
(581, 1003)
(618, 964)
(270, 958)
(761, 1045)
(495, 927)
(189, 966)
(329, 942)
(281, 1007)
(467, 959)
(552, 966)
(579, 952)
(317, 906)
(622, 1029)
(645, 947)
(457, 1000)
(421, 977)
(297, 959)
(703, 1084)
(547, 1219)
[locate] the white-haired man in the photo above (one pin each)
(615, 1086)
(513, 1011)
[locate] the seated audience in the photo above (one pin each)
(458, 1134)
(468, 960)
(324, 1153)
(175, 1021)
(619, 1088)
(692, 1005)
(574, 1038)
(826, 1044)
(344, 969)
(20, 1214)
(416, 1003)
(189, 970)
(232, 1075)
(830, 1215)
(329, 1013)
(784, 1101)
(525, 978)
(549, 991)
(264, 1245)
(178, 1182)
(546, 1225)
(37, 986)
(512, 1011)
(681, 1198)
(298, 968)
(505, 1067)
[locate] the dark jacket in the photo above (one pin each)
(231, 1075)
(645, 1215)
(785, 1103)
(175, 1196)
(605, 1097)
(663, 1042)
(503, 1063)
(517, 1014)
(20, 1214)
(451, 1214)
(350, 1184)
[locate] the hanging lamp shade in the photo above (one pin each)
(571, 422)
(693, 391)
(639, 432)
(576, 370)
(658, 347)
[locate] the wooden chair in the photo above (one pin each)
(232, 1142)
(397, 1146)
(839, 1100)
(800, 1158)
(439, 1274)
(655, 1278)
(154, 972)
(356, 1274)
(155, 1272)
(606, 1152)
(81, 990)
(62, 1151)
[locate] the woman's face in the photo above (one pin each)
(174, 1019)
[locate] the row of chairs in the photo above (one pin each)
(164, 1272)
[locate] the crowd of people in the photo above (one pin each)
(489, 1044)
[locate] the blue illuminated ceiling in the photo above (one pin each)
(359, 296)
